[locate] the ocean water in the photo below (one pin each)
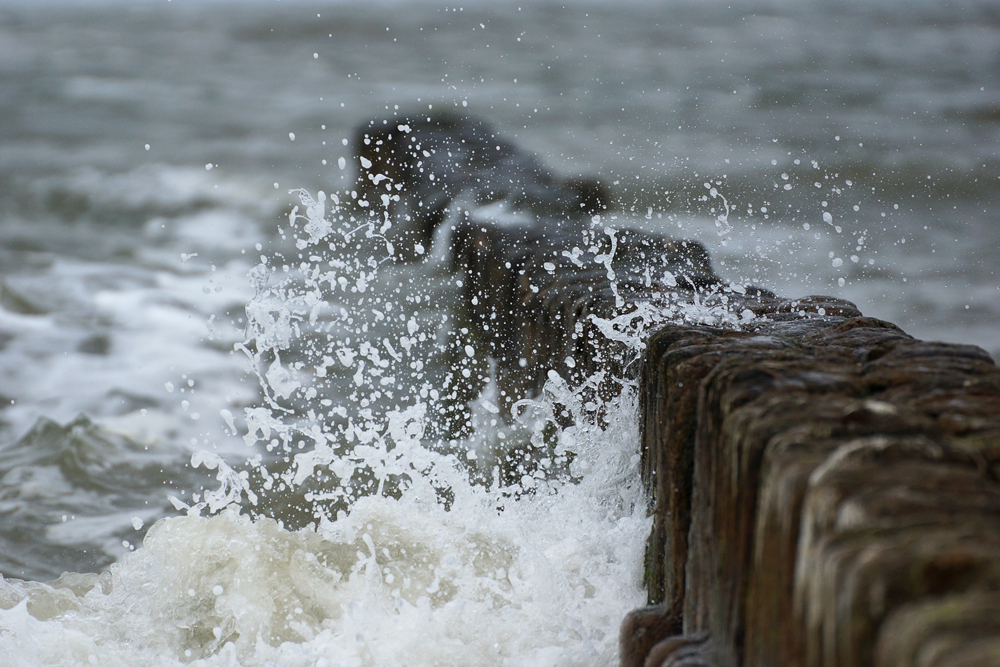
(215, 451)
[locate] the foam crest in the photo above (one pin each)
(402, 580)
(430, 531)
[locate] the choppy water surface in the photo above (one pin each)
(173, 344)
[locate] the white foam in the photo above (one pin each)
(426, 568)
(544, 580)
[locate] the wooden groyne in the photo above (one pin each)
(825, 489)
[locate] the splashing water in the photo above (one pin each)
(386, 515)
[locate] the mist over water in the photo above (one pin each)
(190, 329)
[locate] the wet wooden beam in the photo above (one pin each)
(825, 489)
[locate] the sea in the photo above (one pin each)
(237, 429)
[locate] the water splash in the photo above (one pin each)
(386, 513)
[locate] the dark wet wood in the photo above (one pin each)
(824, 488)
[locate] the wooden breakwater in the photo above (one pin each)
(825, 489)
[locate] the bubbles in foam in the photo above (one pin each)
(426, 530)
